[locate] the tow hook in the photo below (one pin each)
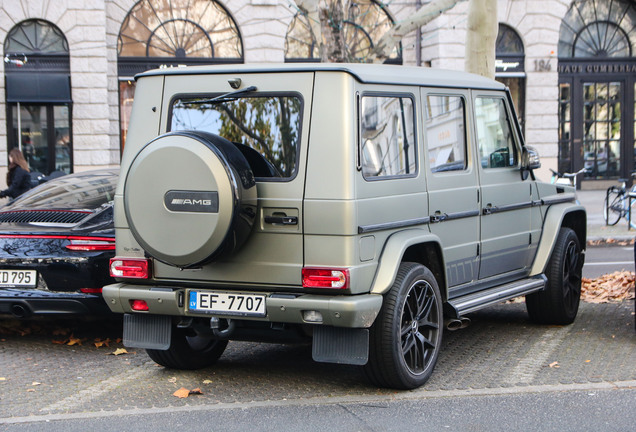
(226, 332)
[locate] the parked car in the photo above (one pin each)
(363, 206)
(55, 244)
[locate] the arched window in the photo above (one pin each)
(598, 28)
(509, 67)
(364, 23)
(170, 32)
(38, 92)
(160, 33)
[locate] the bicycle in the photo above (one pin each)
(566, 178)
(620, 202)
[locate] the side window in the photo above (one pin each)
(494, 133)
(446, 133)
(387, 136)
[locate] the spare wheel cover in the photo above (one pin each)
(180, 197)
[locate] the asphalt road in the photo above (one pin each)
(600, 260)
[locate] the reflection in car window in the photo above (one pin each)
(388, 137)
(265, 128)
(86, 190)
(446, 133)
(496, 143)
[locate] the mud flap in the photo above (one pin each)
(147, 331)
(340, 345)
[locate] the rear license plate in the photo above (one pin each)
(239, 304)
(18, 278)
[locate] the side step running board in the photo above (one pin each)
(459, 306)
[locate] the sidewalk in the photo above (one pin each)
(593, 201)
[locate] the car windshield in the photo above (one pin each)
(265, 128)
(86, 190)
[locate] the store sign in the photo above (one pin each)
(598, 68)
(509, 65)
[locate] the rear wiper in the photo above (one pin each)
(222, 98)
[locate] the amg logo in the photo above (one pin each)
(185, 201)
(192, 201)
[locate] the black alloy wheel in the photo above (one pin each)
(405, 339)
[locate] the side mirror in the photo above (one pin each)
(529, 161)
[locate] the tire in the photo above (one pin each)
(405, 340)
(188, 352)
(559, 302)
(190, 198)
(612, 206)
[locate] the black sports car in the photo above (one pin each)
(56, 241)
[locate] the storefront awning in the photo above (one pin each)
(38, 87)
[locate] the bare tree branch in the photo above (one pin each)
(386, 44)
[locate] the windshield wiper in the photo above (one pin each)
(222, 98)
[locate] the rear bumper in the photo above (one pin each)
(352, 311)
(25, 303)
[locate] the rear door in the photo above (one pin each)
(452, 182)
(274, 121)
(506, 239)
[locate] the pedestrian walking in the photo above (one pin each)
(18, 178)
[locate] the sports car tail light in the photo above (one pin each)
(134, 268)
(139, 305)
(325, 278)
(76, 243)
(91, 244)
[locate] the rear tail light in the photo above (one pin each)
(91, 244)
(134, 268)
(325, 278)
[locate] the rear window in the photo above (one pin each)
(266, 128)
(85, 190)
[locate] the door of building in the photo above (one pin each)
(42, 133)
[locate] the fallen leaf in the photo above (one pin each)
(30, 390)
(72, 340)
(554, 364)
(100, 343)
(196, 391)
(118, 340)
(614, 287)
(119, 351)
(182, 393)
(172, 380)
(3, 379)
(207, 381)
(60, 342)
(35, 383)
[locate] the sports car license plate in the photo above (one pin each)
(18, 278)
(239, 304)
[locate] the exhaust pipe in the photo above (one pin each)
(20, 311)
(457, 323)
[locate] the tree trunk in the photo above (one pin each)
(481, 37)
(332, 27)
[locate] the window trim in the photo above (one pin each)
(415, 143)
(263, 94)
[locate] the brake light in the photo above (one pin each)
(134, 268)
(325, 278)
(139, 305)
(91, 244)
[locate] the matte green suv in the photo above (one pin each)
(362, 207)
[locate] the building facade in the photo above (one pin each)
(69, 65)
